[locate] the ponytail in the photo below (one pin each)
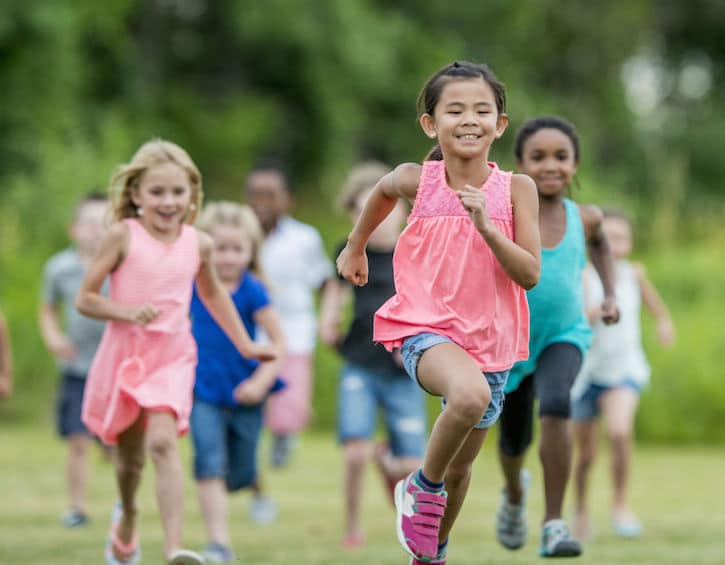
(435, 154)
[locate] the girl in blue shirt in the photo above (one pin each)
(230, 390)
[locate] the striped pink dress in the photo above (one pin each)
(449, 282)
(148, 366)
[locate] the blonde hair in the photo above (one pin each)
(362, 177)
(225, 213)
(127, 178)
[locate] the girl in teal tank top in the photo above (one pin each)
(547, 149)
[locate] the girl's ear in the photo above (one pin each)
(501, 125)
(428, 125)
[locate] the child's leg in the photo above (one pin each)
(129, 456)
(447, 370)
(619, 406)
(163, 448)
(585, 436)
(357, 453)
(77, 470)
(213, 501)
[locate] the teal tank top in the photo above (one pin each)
(556, 304)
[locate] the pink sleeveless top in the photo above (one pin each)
(146, 367)
(449, 282)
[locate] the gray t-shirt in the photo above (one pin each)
(62, 279)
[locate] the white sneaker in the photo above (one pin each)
(556, 541)
(263, 510)
(511, 520)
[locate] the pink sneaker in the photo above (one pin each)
(419, 518)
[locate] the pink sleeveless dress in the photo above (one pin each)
(148, 366)
(449, 282)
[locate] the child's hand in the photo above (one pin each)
(474, 201)
(353, 265)
(261, 352)
(665, 333)
(610, 312)
(250, 392)
(6, 385)
(142, 315)
(63, 348)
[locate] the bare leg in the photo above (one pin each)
(619, 406)
(357, 453)
(585, 436)
(162, 445)
(77, 470)
(447, 370)
(458, 479)
(511, 467)
(555, 454)
(399, 467)
(129, 457)
(214, 503)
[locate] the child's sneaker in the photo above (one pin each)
(74, 519)
(627, 526)
(511, 522)
(262, 510)
(419, 517)
(217, 553)
(439, 559)
(556, 541)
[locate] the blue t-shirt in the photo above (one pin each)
(221, 367)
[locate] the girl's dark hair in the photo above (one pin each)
(545, 122)
(430, 94)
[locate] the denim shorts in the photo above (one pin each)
(225, 442)
(414, 346)
(69, 405)
(586, 407)
(363, 389)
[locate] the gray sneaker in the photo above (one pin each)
(218, 553)
(263, 510)
(511, 521)
(74, 519)
(282, 447)
(556, 541)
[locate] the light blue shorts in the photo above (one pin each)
(363, 389)
(414, 346)
(586, 407)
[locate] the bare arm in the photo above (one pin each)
(217, 301)
(90, 302)
(6, 361)
(403, 182)
(654, 303)
(521, 259)
(257, 386)
(335, 297)
(54, 338)
(601, 257)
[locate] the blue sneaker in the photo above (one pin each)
(74, 519)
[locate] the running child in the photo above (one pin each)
(139, 390)
(296, 266)
(459, 316)
(615, 371)
(230, 390)
(73, 339)
(371, 377)
(547, 149)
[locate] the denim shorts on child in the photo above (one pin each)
(586, 407)
(362, 389)
(225, 442)
(414, 346)
(69, 405)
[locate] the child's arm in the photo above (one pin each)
(654, 303)
(352, 262)
(521, 259)
(90, 302)
(592, 310)
(601, 257)
(54, 338)
(219, 304)
(335, 295)
(257, 386)
(6, 361)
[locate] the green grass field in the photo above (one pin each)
(677, 491)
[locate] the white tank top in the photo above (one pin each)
(616, 353)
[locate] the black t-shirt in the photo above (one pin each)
(358, 346)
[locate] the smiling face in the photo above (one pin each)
(163, 197)
(548, 157)
(233, 252)
(465, 120)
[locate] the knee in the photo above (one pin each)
(130, 463)
(586, 458)
(619, 437)
(556, 405)
(357, 453)
(162, 446)
(470, 402)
